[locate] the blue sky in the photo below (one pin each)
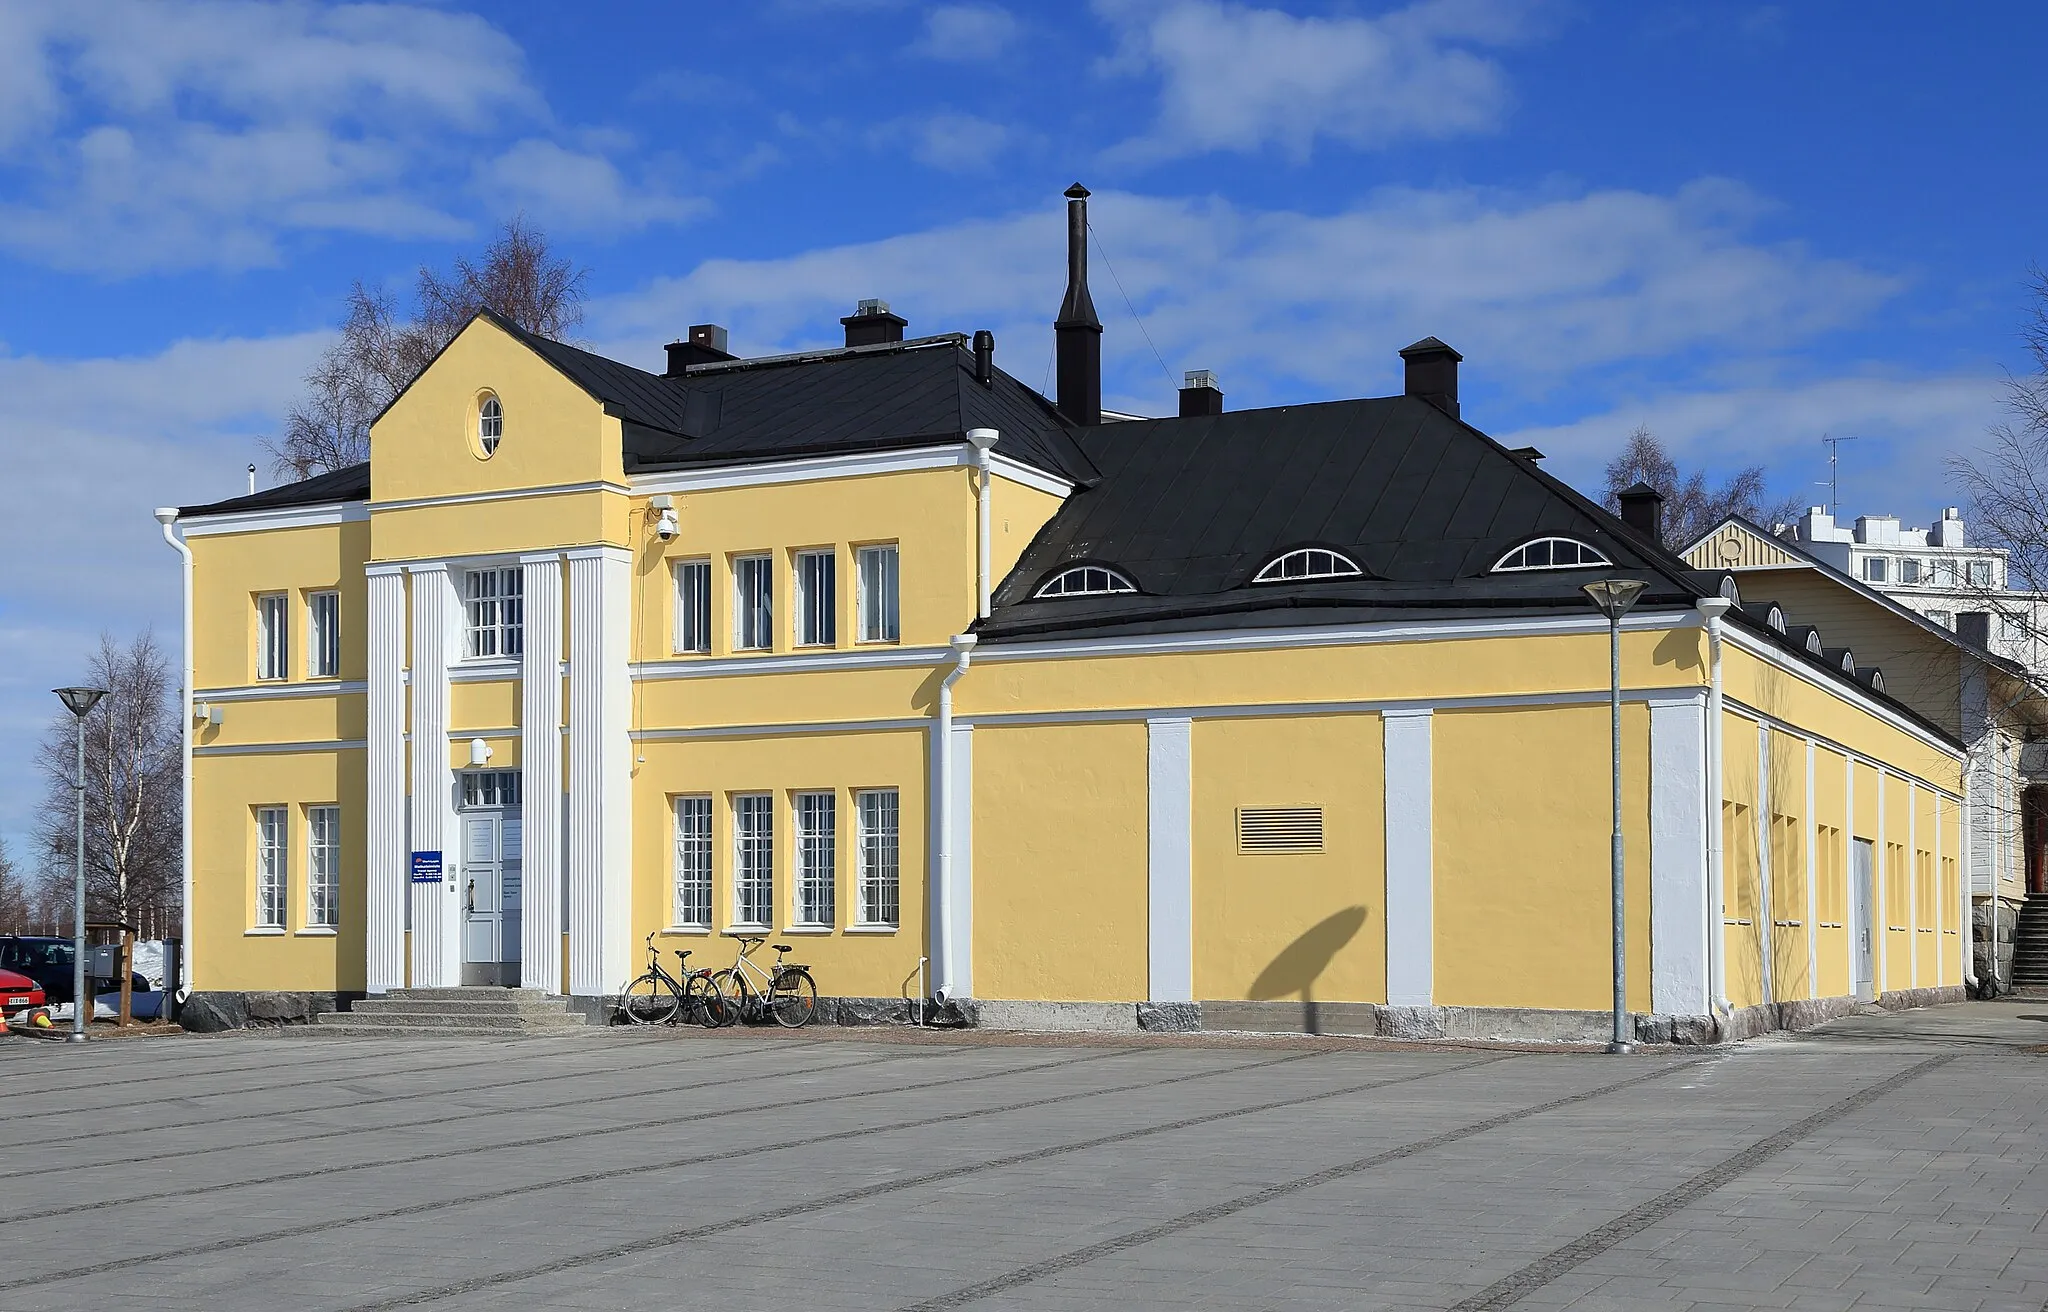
(1744, 225)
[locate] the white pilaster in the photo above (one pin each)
(1679, 928)
(1812, 893)
(1881, 928)
(1411, 927)
(962, 900)
(1913, 909)
(436, 918)
(1171, 937)
(600, 876)
(385, 867)
(540, 770)
(1767, 908)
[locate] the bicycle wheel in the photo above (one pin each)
(733, 993)
(707, 1005)
(648, 1001)
(793, 997)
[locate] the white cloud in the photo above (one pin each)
(575, 191)
(158, 134)
(946, 140)
(1237, 78)
(91, 447)
(1531, 290)
(966, 33)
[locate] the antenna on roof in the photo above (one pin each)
(1834, 446)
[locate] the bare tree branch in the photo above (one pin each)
(1691, 507)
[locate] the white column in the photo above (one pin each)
(1411, 927)
(436, 918)
(1679, 798)
(600, 875)
(1171, 938)
(1881, 927)
(1913, 912)
(540, 775)
(384, 856)
(962, 899)
(1812, 893)
(1767, 909)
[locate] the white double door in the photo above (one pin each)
(491, 860)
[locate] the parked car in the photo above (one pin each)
(46, 960)
(19, 993)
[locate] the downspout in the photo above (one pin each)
(168, 517)
(1711, 609)
(981, 439)
(962, 645)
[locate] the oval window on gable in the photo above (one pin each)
(490, 426)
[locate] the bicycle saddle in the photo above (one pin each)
(782, 947)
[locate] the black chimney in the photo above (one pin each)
(1433, 374)
(705, 345)
(985, 358)
(1199, 394)
(1642, 509)
(871, 324)
(1077, 330)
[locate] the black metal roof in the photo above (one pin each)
(1191, 508)
(342, 485)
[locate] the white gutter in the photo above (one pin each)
(981, 439)
(1711, 609)
(941, 891)
(168, 517)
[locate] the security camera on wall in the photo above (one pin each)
(666, 525)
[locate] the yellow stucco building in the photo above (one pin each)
(1273, 719)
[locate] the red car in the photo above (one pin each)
(18, 992)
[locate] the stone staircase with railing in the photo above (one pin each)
(2030, 947)
(468, 1012)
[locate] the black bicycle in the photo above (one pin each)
(657, 997)
(787, 993)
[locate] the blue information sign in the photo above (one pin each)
(426, 867)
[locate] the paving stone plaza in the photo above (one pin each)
(1887, 1161)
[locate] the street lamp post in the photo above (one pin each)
(79, 701)
(1613, 597)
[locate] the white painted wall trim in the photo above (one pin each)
(1767, 907)
(386, 874)
(436, 919)
(1812, 845)
(265, 692)
(1170, 939)
(1679, 803)
(509, 494)
(282, 749)
(857, 464)
(1854, 696)
(1328, 635)
(275, 517)
(1410, 860)
(718, 667)
(962, 901)
(599, 876)
(918, 724)
(540, 775)
(496, 669)
(1745, 711)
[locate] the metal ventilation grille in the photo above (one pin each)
(1273, 830)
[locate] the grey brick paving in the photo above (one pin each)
(835, 1171)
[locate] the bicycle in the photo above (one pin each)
(791, 995)
(657, 996)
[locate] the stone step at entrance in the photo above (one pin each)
(487, 1011)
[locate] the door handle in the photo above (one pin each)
(472, 897)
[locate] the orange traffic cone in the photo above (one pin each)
(3, 1023)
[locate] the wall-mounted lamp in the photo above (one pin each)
(479, 752)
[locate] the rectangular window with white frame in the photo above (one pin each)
(816, 858)
(753, 860)
(817, 598)
(693, 606)
(323, 867)
(494, 612)
(753, 603)
(273, 637)
(1980, 573)
(323, 635)
(875, 581)
(1909, 571)
(1944, 573)
(270, 866)
(1876, 569)
(693, 863)
(876, 880)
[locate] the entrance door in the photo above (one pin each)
(490, 874)
(1861, 878)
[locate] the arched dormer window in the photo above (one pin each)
(490, 426)
(1550, 553)
(1308, 563)
(1085, 581)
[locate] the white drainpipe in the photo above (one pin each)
(1712, 609)
(981, 439)
(168, 517)
(942, 875)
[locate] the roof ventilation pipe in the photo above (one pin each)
(982, 440)
(944, 988)
(1432, 374)
(985, 358)
(1078, 331)
(1642, 509)
(1199, 394)
(871, 324)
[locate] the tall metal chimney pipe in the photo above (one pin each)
(1078, 331)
